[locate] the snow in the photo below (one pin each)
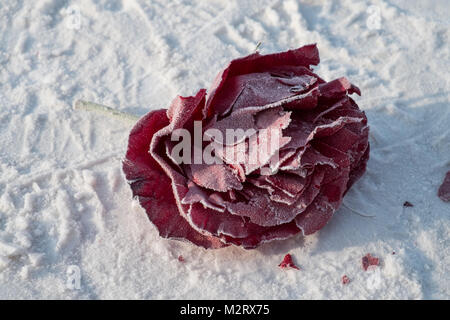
(66, 211)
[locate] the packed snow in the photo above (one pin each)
(69, 228)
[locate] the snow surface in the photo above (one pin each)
(64, 204)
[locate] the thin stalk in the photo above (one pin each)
(257, 46)
(99, 108)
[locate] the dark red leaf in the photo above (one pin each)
(407, 204)
(444, 189)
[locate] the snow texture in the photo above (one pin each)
(65, 209)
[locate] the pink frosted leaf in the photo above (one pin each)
(186, 109)
(288, 183)
(280, 232)
(319, 212)
(245, 122)
(257, 151)
(298, 84)
(337, 88)
(217, 177)
(262, 211)
(219, 100)
(151, 186)
(196, 194)
(217, 223)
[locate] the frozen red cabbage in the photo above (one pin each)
(322, 150)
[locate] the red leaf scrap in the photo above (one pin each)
(368, 261)
(288, 263)
(252, 196)
(444, 189)
(408, 204)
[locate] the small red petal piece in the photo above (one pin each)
(408, 204)
(345, 279)
(368, 261)
(444, 189)
(288, 263)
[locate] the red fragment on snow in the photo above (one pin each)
(444, 189)
(181, 259)
(368, 261)
(288, 263)
(345, 279)
(408, 204)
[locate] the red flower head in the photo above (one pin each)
(251, 193)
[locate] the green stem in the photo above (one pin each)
(257, 46)
(99, 108)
